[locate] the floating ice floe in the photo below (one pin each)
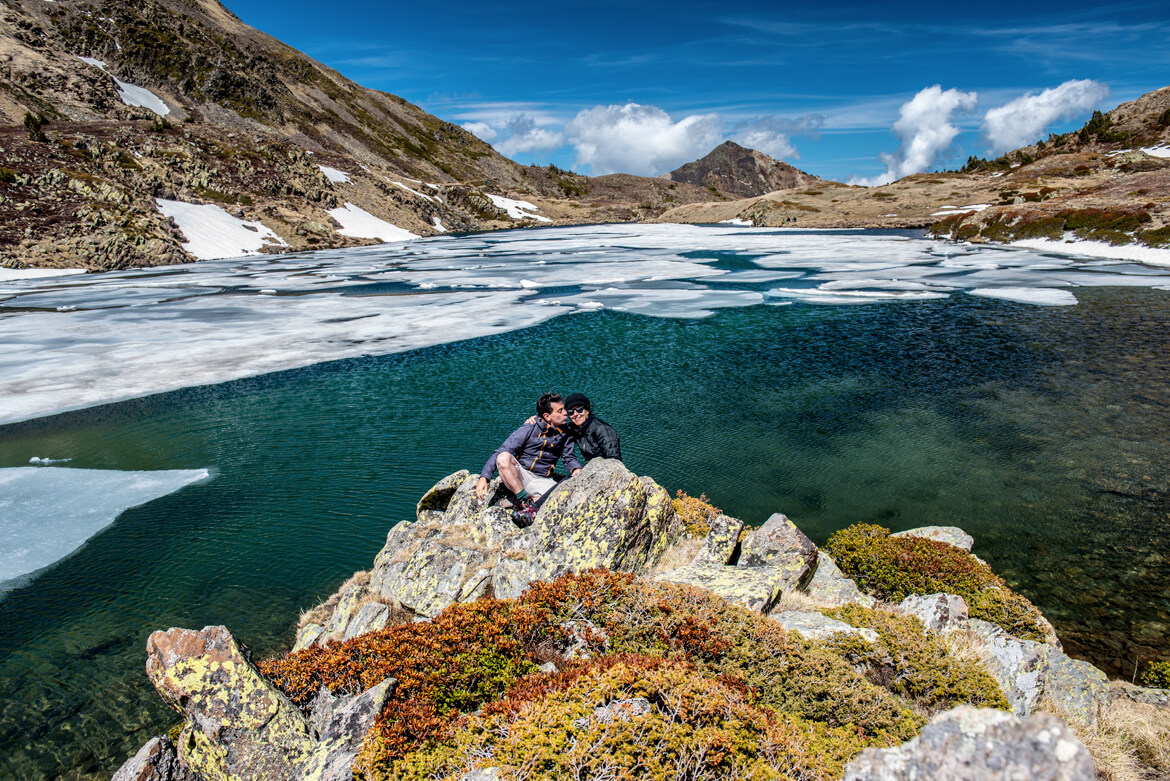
(1028, 295)
(360, 224)
(48, 513)
(131, 94)
(334, 175)
(212, 233)
(517, 210)
(739, 222)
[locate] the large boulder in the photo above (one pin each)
(778, 543)
(951, 535)
(980, 744)
(829, 585)
(938, 612)
(1019, 666)
(238, 726)
(155, 761)
(1076, 688)
(720, 543)
(756, 588)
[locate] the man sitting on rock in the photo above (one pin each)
(527, 457)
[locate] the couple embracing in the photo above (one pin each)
(527, 457)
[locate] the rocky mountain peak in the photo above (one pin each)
(736, 170)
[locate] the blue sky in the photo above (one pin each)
(842, 90)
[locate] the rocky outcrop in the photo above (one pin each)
(951, 535)
(938, 612)
(829, 585)
(237, 725)
(980, 744)
(459, 548)
(815, 626)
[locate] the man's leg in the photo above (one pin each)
(510, 472)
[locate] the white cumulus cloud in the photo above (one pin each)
(772, 135)
(481, 130)
(526, 136)
(925, 129)
(1024, 119)
(640, 139)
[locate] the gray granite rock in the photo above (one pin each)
(815, 626)
(720, 542)
(434, 576)
(433, 504)
(369, 618)
(1019, 666)
(937, 612)
(1142, 694)
(341, 724)
(951, 535)
(829, 584)
(980, 744)
(155, 761)
(308, 635)
(778, 543)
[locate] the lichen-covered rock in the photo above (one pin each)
(434, 502)
(1019, 666)
(720, 542)
(434, 576)
(353, 596)
(756, 588)
(815, 626)
(938, 612)
(341, 724)
(1075, 687)
(237, 724)
(308, 635)
(155, 761)
(369, 618)
(1143, 694)
(951, 535)
(666, 529)
(980, 744)
(829, 584)
(778, 544)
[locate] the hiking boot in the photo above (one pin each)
(524, 513)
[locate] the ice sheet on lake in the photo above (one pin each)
(46, 513)
(1100, 249)
(212, 233)
(1028, 295)
(141, 331)
(359, 223)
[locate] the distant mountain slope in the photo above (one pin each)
(735, 170)
(252, 126)
(1108, 181)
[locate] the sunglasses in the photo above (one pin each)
(579, 409)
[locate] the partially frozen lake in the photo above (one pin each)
(74, 341)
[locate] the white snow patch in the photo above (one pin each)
(359, 223)
(438, 224)
(1043, 296)
(517, 210)
(334, 175)
(739, 222)
(213, 233)
(1159, 150)
(947, 210)
(414, 192)
(47, 513)
(132, 94)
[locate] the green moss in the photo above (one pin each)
(1157, 674)
(892, 568)
(1159, 237)
(917, 665)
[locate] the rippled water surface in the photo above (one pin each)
(1041, 430)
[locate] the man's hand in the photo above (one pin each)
(481, 488)
(574, 472)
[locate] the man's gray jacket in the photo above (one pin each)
(536, 446)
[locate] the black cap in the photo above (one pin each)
(577, 400)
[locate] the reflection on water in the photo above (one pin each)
(1041, 431)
